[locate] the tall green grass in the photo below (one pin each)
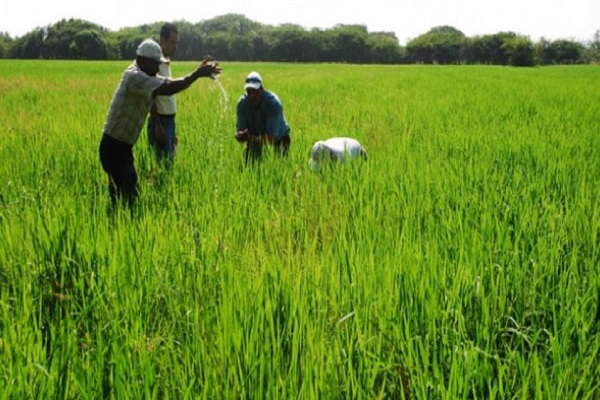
(461, 261)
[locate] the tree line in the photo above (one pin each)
(233, 37)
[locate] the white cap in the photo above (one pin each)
(150, 49)
(253, 81)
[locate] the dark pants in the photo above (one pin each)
(253, 151)
(117, 160)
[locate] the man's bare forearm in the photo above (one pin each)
(177, 85)
(207, 68)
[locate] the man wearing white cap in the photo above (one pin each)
(260, 120)
(335, 149)
(128, 110)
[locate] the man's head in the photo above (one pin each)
(319, 154)
(169, 38)
(254, 88)
(149, 57)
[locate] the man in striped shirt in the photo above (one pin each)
(128, 110)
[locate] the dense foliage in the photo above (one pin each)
(233, 37)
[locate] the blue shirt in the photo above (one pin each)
(266, 119)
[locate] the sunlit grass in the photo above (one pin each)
(460, 261)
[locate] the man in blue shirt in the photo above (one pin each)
(260, 120)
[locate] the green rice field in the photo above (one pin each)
(461, 261)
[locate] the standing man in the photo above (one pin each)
(128, 110)
(162, 134)
(260, 120)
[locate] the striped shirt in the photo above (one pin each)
(130, 104)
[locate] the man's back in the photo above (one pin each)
(130, 104)
(335, 149)
(340, 146)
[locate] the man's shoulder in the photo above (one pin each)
(272, 102)
(271, 97)
(243, 101)
(130, 70)
(133, 72)
(135, 77)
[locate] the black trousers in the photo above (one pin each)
(117, 161)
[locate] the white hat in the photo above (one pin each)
(253, 81)
(150, 49)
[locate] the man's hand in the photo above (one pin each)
(208, 67)
(242, 136)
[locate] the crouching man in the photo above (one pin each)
(335, 149)
(260, 120)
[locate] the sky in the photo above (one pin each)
(550, 19)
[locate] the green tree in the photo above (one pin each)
(5, 44)
(545, 52)
(229, 37)
(559, 52)
(261, 45)
(128, 39)
(385, 48)
(29, 46)
(89, 45)
(191, 44)
(592, 53)
(489, 49)
(217, 44)
(231, 23)
(240, 47)
(324, 44)
(350, 44)
(60, 36)
(292, 44)
(568, 52)
(112, 47)
(441, 45)
(521, 52)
